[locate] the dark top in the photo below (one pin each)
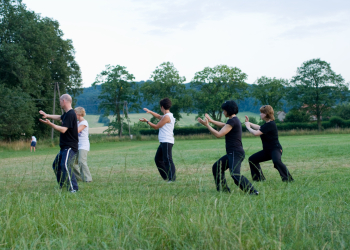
(70, 138)
(269, 137)
(233, 138)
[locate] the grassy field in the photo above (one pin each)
(186, 120)
(128, 205)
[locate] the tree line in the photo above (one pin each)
(34, 56)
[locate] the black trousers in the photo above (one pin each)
(266, 155)
(62, 167)
(164, 161)
(233, 162)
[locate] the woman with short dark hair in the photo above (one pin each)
(272, 149)
(232, 131)
(164, 158)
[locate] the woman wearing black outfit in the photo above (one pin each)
(272, 149)
(232, 131)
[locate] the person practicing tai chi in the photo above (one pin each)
(232, 131)
(272, 149)
(81, 169)
(163, 158)
(64, 160)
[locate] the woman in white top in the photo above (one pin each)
(33, 143)
(163, 158)
(81, 169)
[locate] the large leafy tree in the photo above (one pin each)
(117, 87)
(167, 82)
(34, 55)
(270, 91)
(213, 86)
(316, 88)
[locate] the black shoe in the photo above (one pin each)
(254, 193)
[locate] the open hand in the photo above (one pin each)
(205, 122)
(208, 117)
(46, 121)
(246, 118)
(43, 114)
(147, 110)
(143, 120)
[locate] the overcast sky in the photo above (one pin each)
(263, 38)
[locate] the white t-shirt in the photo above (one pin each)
(166, 133)
(84, 136)
(33, 138)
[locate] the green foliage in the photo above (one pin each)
(117, 87)
(342, 110)
(103, 119)
(166, 82)
(34, 55)
(296, 115)
(178, 131)
(253, 120)
(317, 88)
(270, 91)
(213, 86)
(16, 113)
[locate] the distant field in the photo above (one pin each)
(186, 120)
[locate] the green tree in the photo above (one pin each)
(16, 113)
(316, 87)
(270, 91)
(34, 55)
(213, 86)
(167, 82)
(117, 87)
(296, 115)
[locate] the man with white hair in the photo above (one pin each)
(64, 160)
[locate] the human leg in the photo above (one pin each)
(68, 177)
(219, 169)
(276, 155)
(160, 163)
(56, 166)
(168, 161)
(76, 167)
(84, 169)
(254, 164)
(235, 161)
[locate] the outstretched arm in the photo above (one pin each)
(164, 120)
(56, 127)
(227, 128)
(158, 116)
(252, 125)
(46, 116)
(216, 123)
(253, 131)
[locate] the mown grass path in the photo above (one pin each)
(128, 205)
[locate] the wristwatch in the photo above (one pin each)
(147, 122)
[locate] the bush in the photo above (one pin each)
(178, 131)
(297, 116)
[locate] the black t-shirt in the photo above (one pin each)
(233, 138)
(70, 138)
(269, 137)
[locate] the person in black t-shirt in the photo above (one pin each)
(232, 131)
(272, 149)
(64, 160)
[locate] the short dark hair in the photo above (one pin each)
(231, 107)
(165, 103)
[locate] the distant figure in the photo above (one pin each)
(232, 130)
(32, 143)
(164, 158)
(64, 160)
(81, 169)
(272, 149)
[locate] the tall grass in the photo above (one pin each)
(128, 206)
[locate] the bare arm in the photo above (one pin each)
(56, 127)
(158, 116)
(81, 128)
(227, 128)
(254, 126)
(53, 117)
(165, 119)
(216, 123)
(253, 131)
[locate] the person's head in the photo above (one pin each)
(80, 111)
(165, 104)
(229, 108)
(267, 113)
(65, 101)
